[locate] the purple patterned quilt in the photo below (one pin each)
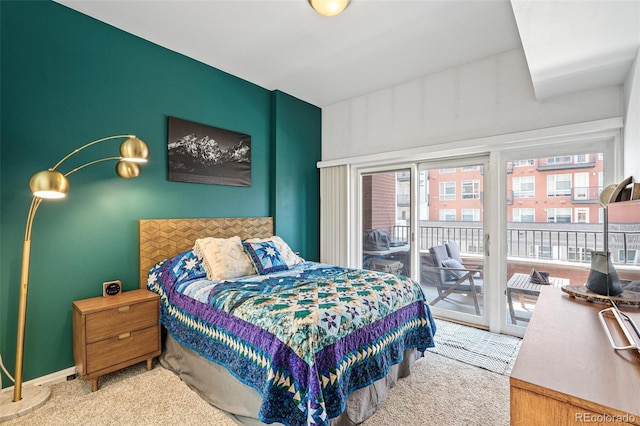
(304, 338)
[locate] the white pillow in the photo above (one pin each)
(223, 258)
(287, 254)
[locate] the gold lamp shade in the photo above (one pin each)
(134, 150)
(329, 7)
(49, 184)
(53, 184)
(127, 169)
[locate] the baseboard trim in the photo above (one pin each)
(49, 379)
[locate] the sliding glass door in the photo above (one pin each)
(426, 221)
(451, 239)
(386, 220)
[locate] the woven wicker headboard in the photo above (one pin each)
(163, 238)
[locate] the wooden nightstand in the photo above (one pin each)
(110, 333)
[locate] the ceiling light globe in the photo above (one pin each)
(329, 7)
(127, 169)
(134, 150)
(49, 184)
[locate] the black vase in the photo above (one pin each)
(603, 278)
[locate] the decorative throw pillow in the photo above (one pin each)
(223, 258)
(289, 256)
(452, 263)
(265, 257)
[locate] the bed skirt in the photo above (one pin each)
(219, 388)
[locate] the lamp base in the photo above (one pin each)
(32, 397)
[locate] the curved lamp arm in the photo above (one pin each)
(53, 184)
(75, 151)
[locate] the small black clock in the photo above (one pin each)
(111, 288)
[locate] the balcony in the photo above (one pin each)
(586, 194)
(536, 241)
(564, 253)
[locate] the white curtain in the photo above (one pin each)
(334, 215)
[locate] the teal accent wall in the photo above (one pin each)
(297, 132)
(67, 79)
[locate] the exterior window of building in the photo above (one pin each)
(524, 215)
(581, 189)
(471, 215)
(578, 254)
(469, 168)
(582, 216)
(447, 190)
(451, 170)
(523, 187)
(447, 215)
(559, 215)
(522, 163)
(565, 159)
(559, 185)
(631, 258)
(470, 189)
(582, 158)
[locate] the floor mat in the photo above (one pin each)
(491, 351)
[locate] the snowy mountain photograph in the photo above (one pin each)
(204, 154)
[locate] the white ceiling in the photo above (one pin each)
(577, 45)
(373, 44)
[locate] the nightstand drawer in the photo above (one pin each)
(122, 319)
(117, 349)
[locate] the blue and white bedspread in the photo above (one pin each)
(304, 338)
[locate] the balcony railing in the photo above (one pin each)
(524, 241)
(585, 194)
(403, 200)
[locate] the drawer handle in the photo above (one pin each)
(123, 308)
(124, 336)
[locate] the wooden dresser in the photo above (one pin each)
(566, 371)
(110, 333)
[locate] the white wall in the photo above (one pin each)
(489, 97)
(632, 122)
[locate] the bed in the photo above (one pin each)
(294, 342)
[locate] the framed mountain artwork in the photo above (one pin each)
(203, 154)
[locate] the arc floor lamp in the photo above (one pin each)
(48, 184)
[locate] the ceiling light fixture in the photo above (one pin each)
(329, 7)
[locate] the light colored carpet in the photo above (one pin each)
(494, 352)
(439, 391)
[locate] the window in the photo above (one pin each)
(441, 171)
(559, 215)
(447, 190)
(631, 257)
(581, 158)
(565, 159)
(523, 187)
(447, 215)
(524, 215)
(581, 186)
(471, 215)
(581, 216)
(578, 254)
(470, 189)
(522, 163)
(558, 185)
(469, 168)
(540, 252)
